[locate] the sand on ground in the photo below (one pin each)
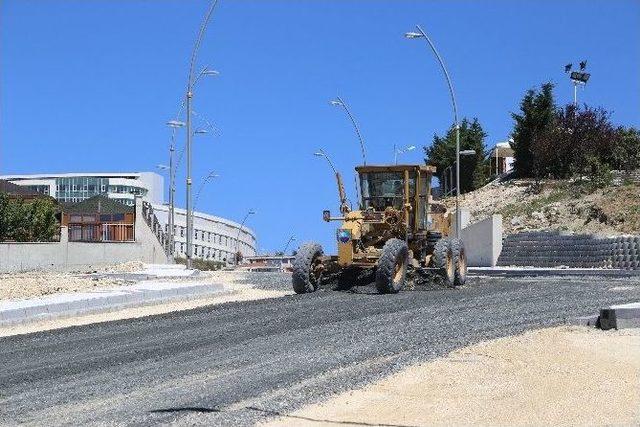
(33, 284)
(566, 375)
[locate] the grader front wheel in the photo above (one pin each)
(391, 272)
(307, 268)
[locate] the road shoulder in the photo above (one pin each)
(557, 376)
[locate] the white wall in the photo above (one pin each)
(483, 242)
(65, 255)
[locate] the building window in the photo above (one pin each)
(181, 231)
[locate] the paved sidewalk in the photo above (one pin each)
(102, 300)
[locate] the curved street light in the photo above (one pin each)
(397, 151)
(422, 34)
(339, 102)
(291, 239)
(206, 179)
(189, 96)
(344, 202)
(249, 212)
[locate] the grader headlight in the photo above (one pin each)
(344, 236)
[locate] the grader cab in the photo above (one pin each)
(397, 225)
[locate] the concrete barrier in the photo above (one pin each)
(483, 242)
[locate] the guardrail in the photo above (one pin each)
(155, 226)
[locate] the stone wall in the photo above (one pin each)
(552, 249)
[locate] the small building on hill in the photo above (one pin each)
(502, 157)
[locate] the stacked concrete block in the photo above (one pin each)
(553, 249)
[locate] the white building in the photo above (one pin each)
(76, 187)
(215, 238)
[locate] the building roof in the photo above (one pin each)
(502, 149)
(97, 204)
(76, 174)
(13, 189)
(19, 191)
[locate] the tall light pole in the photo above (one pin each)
(249, 212)
(189, 97)
(422, 34)
(174, 125)
(397, 151)
(578, 78)
(211, 175)
(339, 102)
(291, 239)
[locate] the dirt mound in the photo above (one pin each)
(568, 206)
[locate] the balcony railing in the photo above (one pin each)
(102, 232)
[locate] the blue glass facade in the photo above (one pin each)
(77, 189)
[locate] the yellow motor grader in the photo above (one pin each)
(398, 224)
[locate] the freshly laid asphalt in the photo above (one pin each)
(239, 363)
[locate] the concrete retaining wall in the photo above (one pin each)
(483, 242)
(552, 249)
(65, 255)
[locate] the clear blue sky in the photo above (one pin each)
(88, 86)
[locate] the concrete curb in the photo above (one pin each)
(548, 272)
(82, 303)
(620, 316)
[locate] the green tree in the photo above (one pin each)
(626, 152)
(22, 221)
(44, 225)
(537, 112)
(442, 154)
(580, 142)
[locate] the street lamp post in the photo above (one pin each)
(174, 125)
(249, 212)
(422, 34)
(291, 239)
(339, 102)
(397, 151)
(189, 97)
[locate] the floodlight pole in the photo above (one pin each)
(189, 96)
(456, 124)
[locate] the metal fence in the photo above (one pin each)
(102, 232)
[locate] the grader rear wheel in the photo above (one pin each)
(443, 260)
(460, 262)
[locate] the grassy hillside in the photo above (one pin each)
(557, 205)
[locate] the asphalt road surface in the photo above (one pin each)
(239, 363)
